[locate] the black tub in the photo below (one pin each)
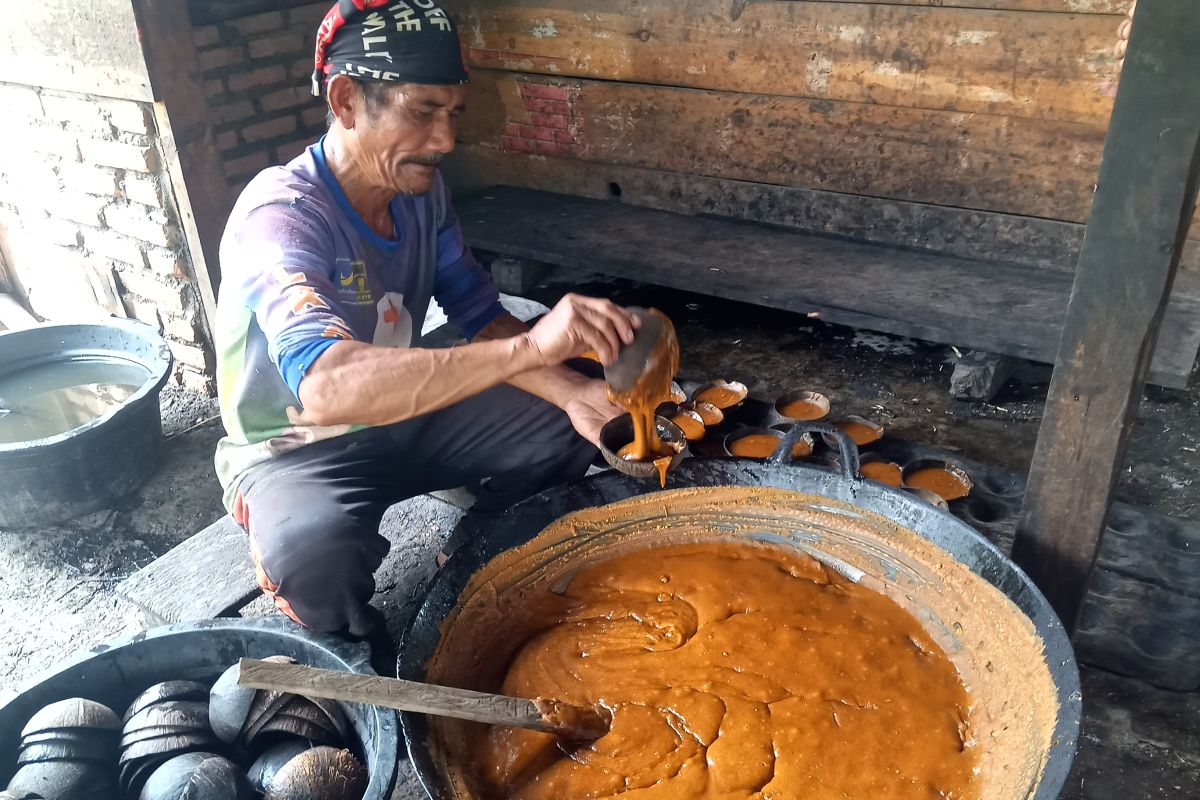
(89, 467)
(115, 674)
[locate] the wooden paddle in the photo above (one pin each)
(572, 723)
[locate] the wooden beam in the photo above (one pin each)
(1145, 197)
(192, 159)
(1045, 66)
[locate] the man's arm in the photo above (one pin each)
(357, 383)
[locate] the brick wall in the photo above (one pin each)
(257, 71)
(89, 221)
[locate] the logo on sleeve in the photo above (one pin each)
(352, 282)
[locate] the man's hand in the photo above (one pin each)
(589, 409)
(578, 324)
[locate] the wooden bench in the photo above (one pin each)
(994, 306)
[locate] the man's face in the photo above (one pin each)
(400, 137)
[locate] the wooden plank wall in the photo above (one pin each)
(900, 121)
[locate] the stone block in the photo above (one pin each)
(144, 189)
(151, 225)
(980, 376)
(122, 155)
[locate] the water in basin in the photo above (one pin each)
(61, 395)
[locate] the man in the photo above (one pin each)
(329, 264)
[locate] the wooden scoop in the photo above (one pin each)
(573, 723)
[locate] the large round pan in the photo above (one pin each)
(526, 520)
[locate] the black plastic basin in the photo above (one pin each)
(115, 674)
(93, 465)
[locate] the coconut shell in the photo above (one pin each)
(168, 746)
(75, 712)
(297, 726)
(19, 794)
(167, 690)
(322, 773)
(65, 780)
(321, 713)
(180, 714)
(54, 751)
(273, 759)
(229, 704)
(197, 776)
(78, 737)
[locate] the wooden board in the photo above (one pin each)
(209, 575)
(1046, 66)
(88, 47)
(1055, 6)
(990, 306)
(978, 161)
(1144, 201)
(1049, 244)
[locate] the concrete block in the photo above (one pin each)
(253, 78)
(144, 189)
(135, 157)
(980, 376)
(151, 225)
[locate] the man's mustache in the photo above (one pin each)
(425, 161)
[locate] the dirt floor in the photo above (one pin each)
(1139, 742)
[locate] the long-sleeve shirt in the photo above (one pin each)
(301, 270)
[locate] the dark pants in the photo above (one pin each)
(313, 514)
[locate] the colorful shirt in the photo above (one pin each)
(301, 270)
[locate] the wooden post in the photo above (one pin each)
(193, 161)
(1144, 200)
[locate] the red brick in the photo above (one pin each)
(258, 23)
(284, 44)
(227, 140)
(221, 57)
(228, 112)
(141, 222)
(131, 116)
(46, 139)
(287, 151)
(168, 294)
(512, 129)
(549, 120)
(76, 111)
(290, 97)
(206, 35)
(314, 116)
(539, 106)
(111, 244)
(549, 148)
(250, 164)
(271, 129)
(214, 87)
(516, 145)
(90, 179)
(564, 137)
(82, 208)
(263, 76)
(168, 263)
(543, 91)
